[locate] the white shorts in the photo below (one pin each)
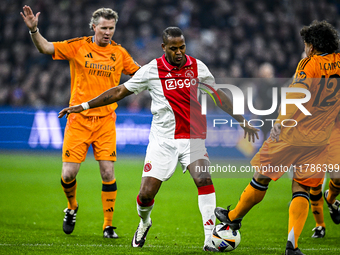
(163, 154)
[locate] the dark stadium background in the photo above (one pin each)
(233, 38)
(226, 35)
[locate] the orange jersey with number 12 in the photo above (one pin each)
(320, 74)
(94, 69)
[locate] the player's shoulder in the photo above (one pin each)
(304, 63)
(151, 65)
(317, 60)
(201, 66)
(82, 39)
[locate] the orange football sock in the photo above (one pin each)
(316, 199)
(298, 212)
(333, 192)
(109, 194)
(70, 190)
(252, 194)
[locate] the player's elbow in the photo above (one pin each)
(46, 49)
(41, 51)
(122, 92)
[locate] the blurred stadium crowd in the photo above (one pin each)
(233, 38)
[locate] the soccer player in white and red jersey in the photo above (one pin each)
(178, 129)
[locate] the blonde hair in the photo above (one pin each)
(106, 13)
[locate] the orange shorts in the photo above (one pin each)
(81, 132)
(308, 163)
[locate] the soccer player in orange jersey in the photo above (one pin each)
(96, 64)
(333, 164)
(305, 146)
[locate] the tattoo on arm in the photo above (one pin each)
(107, 98)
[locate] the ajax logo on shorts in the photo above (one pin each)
(147, 167)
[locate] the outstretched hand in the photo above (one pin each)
(68, 110)
(251, 132)
(275, 132)
(29, 18)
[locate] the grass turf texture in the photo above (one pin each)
(32, 204)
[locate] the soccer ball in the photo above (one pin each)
(224, 238)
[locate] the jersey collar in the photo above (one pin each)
(171, 67)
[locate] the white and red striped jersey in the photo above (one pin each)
(175, 106)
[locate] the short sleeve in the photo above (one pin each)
(139, 81)
(204, 74)
(67, 49)
(130, 65)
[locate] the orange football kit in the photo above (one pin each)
(94, 69)
(305, 146)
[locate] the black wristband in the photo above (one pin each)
(29, 31)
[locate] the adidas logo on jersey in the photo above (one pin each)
(89, 55)
(168, 75)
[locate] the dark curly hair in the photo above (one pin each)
(322, 35)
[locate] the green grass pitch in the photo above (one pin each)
(32, 203)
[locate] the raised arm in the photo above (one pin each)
(227, 106)
(39, 41)
(108, 97)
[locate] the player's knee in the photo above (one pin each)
(146, 194)
(336, 181)
(145, 198)
(107, 175)
(315, 189)
(70, 171)
(200, 182)
(68, 177)
(261, 179)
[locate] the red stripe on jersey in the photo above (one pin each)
(204, 190)
(180, 89)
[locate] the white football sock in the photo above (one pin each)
(144, 213)
(207, 205)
